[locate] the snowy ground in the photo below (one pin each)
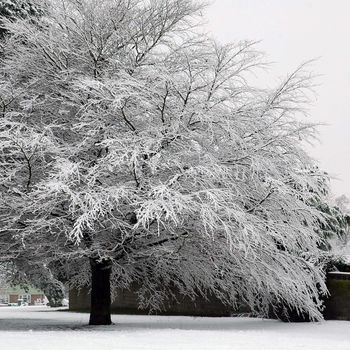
(36, 328)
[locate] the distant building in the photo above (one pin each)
(21, 296)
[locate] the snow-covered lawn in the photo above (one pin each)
(36, 328)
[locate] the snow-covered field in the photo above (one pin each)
(36, 328)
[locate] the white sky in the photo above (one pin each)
(291, 32)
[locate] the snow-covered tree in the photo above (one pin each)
(342, 202)
(22, 271)
(135, 150)
(13, 9)
(334, 225)
(336, 228)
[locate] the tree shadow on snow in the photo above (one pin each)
(128, 323)
(199, 324)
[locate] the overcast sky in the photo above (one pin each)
(291, 32)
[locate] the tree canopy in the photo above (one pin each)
(133, 144)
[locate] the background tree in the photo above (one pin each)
(342, 202)
(338, 234)
(333, 228)
(134, 150)
(17, 272)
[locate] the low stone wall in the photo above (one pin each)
(79, 299)
(126, 302)
(337, 306)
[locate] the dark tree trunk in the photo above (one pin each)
(100, 311)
